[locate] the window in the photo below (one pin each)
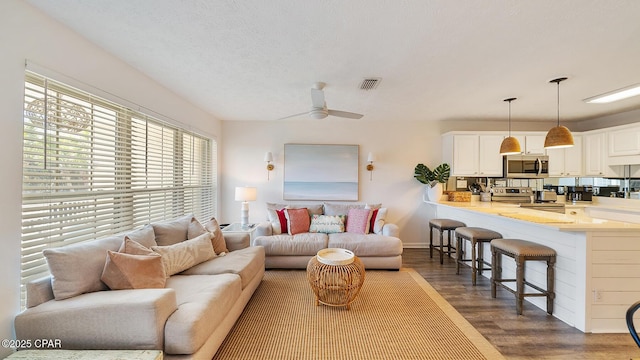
(93, 168)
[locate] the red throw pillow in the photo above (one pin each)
(374, 214)
(298, 220)
(283, 221)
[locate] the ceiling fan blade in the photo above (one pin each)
(317, 98)
(290, 116)
(345, 114)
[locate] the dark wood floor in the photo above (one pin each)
(534, 335)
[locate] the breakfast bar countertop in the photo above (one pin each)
(578, 221)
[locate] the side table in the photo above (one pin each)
(336, 277)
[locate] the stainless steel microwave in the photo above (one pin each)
(526, 166)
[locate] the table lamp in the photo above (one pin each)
(245, 194)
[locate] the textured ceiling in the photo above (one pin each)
(438, 59)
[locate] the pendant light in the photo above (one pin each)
(559, 136)
(510, 145)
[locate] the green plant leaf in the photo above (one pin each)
(442, 173)
(423, 174)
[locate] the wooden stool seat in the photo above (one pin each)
(443, 225)
(477, 236)
(522, 251)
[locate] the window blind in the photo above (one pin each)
(93, 168)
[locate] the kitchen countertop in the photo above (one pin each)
(562, 222)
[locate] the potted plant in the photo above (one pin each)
(433, 179)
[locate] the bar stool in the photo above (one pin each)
(479, 236)
(522, 251)
(443, 225)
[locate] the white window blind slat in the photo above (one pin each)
(94, 168)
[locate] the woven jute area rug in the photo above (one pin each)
(397, 315)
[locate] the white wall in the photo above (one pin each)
(25, 33)
(399, 147)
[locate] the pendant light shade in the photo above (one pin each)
(510, 145)
(559, 136)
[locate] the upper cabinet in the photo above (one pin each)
(473, 155)
(566, 162)
(534, 145)
(596, 155)
(624, 145)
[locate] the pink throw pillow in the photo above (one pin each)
(358, 221)
(298, 220)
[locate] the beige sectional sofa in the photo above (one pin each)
(187, 318)
(379, 246)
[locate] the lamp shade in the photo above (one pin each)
(268, 157)
(246, 194)
(558, 137)
(371, 157)
(510, 146)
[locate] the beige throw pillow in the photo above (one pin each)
(173, 231)
(217, 240)
(76, 269)
(126, 271)
(181, 256)
(134, 266)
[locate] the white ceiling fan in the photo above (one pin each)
(319, 106)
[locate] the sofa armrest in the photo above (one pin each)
(118, 319)
(263, 229)
(389, 229)
(39, 291)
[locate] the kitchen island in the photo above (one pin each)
(597, 272)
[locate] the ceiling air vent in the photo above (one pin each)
(370, 83)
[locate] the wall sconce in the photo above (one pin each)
(268, 158)
(245, 194)
(371, 158)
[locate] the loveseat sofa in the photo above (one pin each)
(178, 286)
(296, 232)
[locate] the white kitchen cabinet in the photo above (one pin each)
(566, 162)
(595, 155)
(473, 155)
(624, 145)
(534, 144)
(624, 142)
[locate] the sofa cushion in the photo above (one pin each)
(245, 262)
(298, 220)
(129, 271)
(340, 209)
(181, 256)
(144, 236)
(203, 302)
(358, 221)
(76, 269)
(327, 224)
(312, 208)
(366, 245)
(300, 244)
(172, 231)
(124, 319)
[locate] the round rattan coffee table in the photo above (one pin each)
(336, 276)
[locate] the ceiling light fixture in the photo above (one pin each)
(559, 136)
(510, 145)
(615, 95)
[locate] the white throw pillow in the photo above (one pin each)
(183, 255)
